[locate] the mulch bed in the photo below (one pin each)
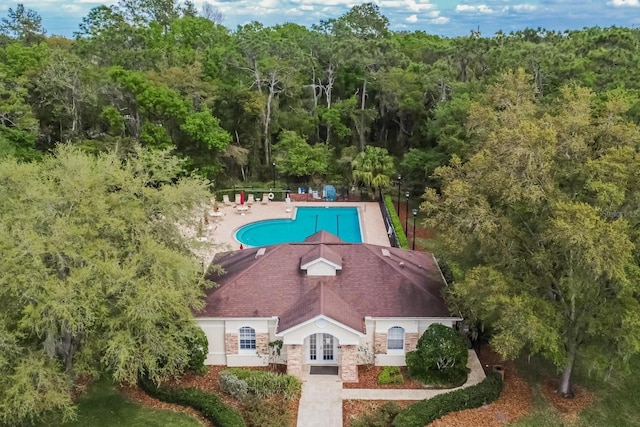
(514, 403)
(569, 408)
(368, 378)
(208, 382)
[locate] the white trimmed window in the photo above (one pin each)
(247, 338)
(395, 338)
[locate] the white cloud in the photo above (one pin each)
(526, 7)
(294, 12)
(481, 8)
(439, 20)
(623, 3)
(413, 19)
(73, 8)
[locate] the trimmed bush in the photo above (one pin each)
(440, 358)
(232, 385)
(380, 417)
(390, 375)
(209, 405)
(266, 413)
(429, 410)
(265, 384)
(395, 219)
(198, 345)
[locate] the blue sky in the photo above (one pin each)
(441, 17)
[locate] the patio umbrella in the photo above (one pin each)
(241, 198)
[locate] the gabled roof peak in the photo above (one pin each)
(321, 255)
(323, 236)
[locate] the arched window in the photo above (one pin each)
(395, 338)
(247, 338)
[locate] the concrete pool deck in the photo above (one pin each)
(223, 228)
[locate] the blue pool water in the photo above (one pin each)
(343, 222)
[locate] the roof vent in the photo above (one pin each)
(260, 252)
(385, 252)
(401, 264)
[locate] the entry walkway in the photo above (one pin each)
(476, 374)
(321, 401)
(322, 395)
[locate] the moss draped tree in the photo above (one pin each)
(544, 217)
(96, 277)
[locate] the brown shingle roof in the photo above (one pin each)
(404, 284)
(321, 251)
(321, 300)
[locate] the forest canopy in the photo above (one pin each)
(526, 141)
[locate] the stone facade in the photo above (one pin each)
(262, 344)
(231, 343)
(410, 341)
(380, 343)
(349, 364)
(294, 360)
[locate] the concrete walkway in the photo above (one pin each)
(322, 395)
(476, 375)
(321, 401)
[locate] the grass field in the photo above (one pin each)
(103, 406)
(617, 401)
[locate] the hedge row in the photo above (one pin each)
(266, 384)
(429, 410)
(209, 405)
(402, 238)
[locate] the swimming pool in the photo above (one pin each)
(344, 222)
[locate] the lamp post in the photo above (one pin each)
(406, 214)
(274, 174)
(399, 185)
(415, 214)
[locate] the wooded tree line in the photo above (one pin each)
(159, 74)
(528, 143)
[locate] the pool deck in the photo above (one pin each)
(223, 227)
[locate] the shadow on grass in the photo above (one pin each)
(616, 405)
(102, 405)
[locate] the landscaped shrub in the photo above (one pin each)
(390, 375)
(198, 346)
(426, 411)
(440, 358)
(395, 219)
(265, 384)
(232, 385)
(266, 412)
(379, 417)
(209, 405)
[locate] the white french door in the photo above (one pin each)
(322, 348)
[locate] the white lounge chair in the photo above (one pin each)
(251, 199)
(237, 202)
(265, 198)
(225, 200)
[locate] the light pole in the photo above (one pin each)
(399, 185)
(415, 214)
(406, 214)
(274, 174)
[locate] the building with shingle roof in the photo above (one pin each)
(328, 301)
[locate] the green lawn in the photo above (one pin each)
(617, 403)
(103, 405)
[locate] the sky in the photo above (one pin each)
(447, 18)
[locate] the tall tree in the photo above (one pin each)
(542, 216)
(24, 25)
(97, 277)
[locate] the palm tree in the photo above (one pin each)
(374, 167)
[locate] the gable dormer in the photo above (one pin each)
(321, 261)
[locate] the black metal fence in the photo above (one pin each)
(386, 216)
